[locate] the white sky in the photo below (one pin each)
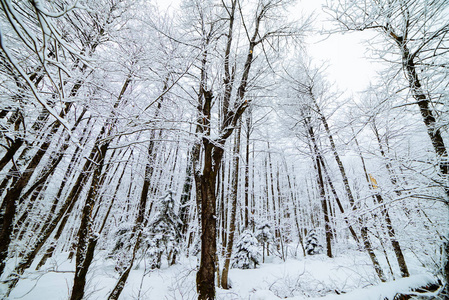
(348, 66)
(345, 53)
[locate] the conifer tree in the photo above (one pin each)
(163, 232)
(312, 244)
(247, 252)
(264, 235)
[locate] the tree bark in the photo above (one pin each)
(340, 206)
(433, 131)
(248, 134)
(327, 227)
(86, 239)
(364, 231)
(275, 213)
(186, 195)
(295, 209)
(341, 168)
(206, 274)
(232, 229)
(372, 255)
(13, 195)
(318, 160)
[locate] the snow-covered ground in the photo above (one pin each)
(349, 275)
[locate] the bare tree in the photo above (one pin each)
(416, 35)
(236, 82)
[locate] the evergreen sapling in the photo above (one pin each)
(247, 252)
(312, 244)
(163, 232)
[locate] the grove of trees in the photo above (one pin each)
(209, 130)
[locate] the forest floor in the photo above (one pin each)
(347, 276)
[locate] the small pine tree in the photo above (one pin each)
(312, 244)
(247, 253)
(264, 233)
(264, 236)
(163, 232)
(122, 237)
(122, 243)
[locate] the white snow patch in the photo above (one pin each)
(314, 277)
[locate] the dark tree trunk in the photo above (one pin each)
(234, 193)
(379, 199)
(336, 155)
(86, 239)
(424, 104)
(372, 255)
(364, 231)
(13, 194)
(340, 206)
(140, 219)
(80, 275)
(275, 214)
(205, 279)
(248, 134)
(327, 227)
(52, 222)
(12, 149)
(318, 161)
(394, 242)
(186, 196)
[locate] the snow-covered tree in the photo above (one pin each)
(122, 241)
(247, 252)
(264, 236)
(312, 244)
(163, 234)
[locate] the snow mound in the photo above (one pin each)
(386, 290)
(264, 295)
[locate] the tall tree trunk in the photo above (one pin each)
(392, 235)
(318, 160)
(327, 226)
(295, 208)
(213, 149)
(136, 232)
(337, 199)
(139, 222)
(186, 195)
(206, 274)
(335, 154)
(248, 134)
(253, 197)
(424, 104)
(234, 192)
(364, 231)
(283, 214)
(372, 255)
(379, 199)
(86, 239)
(275, 214)
(224, 210)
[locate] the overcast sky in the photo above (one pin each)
(349, 66)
